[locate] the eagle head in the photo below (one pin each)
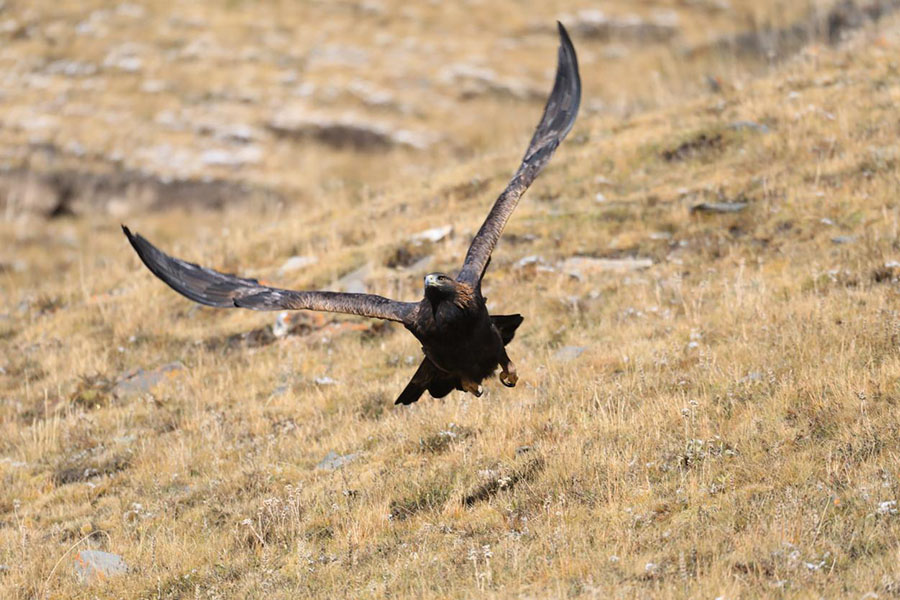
(440, 287)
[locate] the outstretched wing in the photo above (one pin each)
(212, 288)
(559, 116)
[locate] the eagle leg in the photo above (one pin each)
(473, 388)
(508, 376)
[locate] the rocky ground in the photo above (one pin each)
(708, 271)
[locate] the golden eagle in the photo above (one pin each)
(463, 344)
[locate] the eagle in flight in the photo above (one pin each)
(463, 344)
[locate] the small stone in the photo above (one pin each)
(843, 239)
(325, 380)
(333, 461)
(96, 565)
(281, 327)
(888, 507)
(523, 450)
(568, 353)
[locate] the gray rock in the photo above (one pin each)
(568, 353)
(421, 265)
(333, 461)
(434, 235)
(71, 68)
(296, 263)
(281, 327)
(126, 57)
(719, 207)
(752, 376)
(355, 281)
(527, 261)
(347, 131)
(238, 157)
(592, 23)
(140, 381)
(325, 380)
(96, 565)
(473, 80)
(577, 266)
(749, 125)
(154, 86)
(843, 239)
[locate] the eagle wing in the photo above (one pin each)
(559, 116)
(213, 288)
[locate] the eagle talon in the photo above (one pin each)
(473, 388)
(508, 376)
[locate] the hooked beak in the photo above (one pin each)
(431, 280)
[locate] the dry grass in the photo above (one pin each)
(731, 429)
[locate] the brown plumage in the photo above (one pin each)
(463, 344)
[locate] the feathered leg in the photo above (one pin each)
(508, 376)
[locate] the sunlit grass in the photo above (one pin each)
(729, 430)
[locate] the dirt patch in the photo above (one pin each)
(440, 441)
(92, 391)
(86, 468)
(490, 488)
(74, 192)
(407, 255)
(429, 497)
(698, 145)
(347, 132)
(829, 26)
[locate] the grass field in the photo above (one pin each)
(723, 423)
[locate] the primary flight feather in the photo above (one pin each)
(462, 343)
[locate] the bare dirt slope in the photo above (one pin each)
(708, 271)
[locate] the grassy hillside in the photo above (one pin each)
(720, 423)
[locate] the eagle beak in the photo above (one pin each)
(431, 280)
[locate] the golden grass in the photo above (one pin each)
(731, 429)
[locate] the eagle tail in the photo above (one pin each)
(427, 377)
(507, 325)
(411, 393)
